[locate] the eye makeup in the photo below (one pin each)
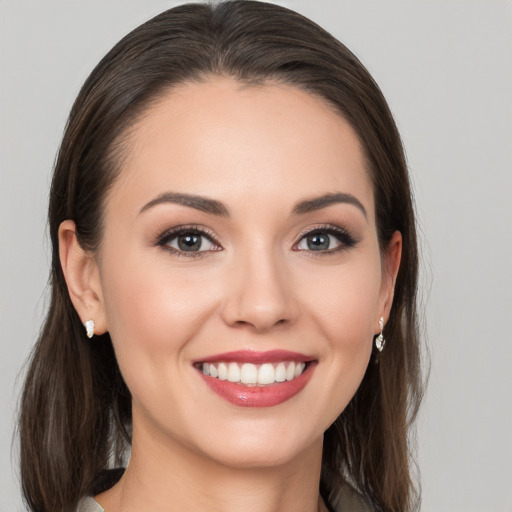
(190, 241)
(195, 241)
(316, 238)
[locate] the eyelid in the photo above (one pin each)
(164, 239)
(346, 239)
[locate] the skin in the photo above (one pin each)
(259, 150)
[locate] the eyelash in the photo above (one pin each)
(164, 240)
(346, 240)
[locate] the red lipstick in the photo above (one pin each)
(259, 395)
(255, 357)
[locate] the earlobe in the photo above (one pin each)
(82, 278)
(390, 266)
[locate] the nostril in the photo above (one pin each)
(259, 305)
(260, 324)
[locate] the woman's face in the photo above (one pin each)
(240, 244)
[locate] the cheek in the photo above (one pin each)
(344, 312)
(345, 304)
(153, 312)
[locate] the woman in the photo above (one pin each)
(233, 279)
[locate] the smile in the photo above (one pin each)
(255, 375)
(256, 379)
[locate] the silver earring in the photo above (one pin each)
(89, 328)
(380, 341)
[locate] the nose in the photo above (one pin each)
(259, 294)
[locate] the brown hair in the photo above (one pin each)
(76, 410)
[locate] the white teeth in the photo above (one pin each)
(266, 374)
(248, 374)
(290, 371)
(233, 372)
(280, 373)
(252, 374)
(223, 371)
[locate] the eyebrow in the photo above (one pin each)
(200, 203)
(214, 207)
(317, 203)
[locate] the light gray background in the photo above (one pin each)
(446, 70)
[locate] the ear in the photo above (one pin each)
(82, 278)
(390, 265)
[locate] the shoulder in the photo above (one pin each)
(104, 480)
(89, 504)
(349, 499)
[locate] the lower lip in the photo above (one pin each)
(259, 396)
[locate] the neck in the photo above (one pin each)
(170, 477)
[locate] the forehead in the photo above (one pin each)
(219, 138)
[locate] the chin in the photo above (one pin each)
(260, 448)
(257, 459)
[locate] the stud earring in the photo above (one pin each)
(89, 328)
(380, 341)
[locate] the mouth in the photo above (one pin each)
(249, 374)
(256, 379)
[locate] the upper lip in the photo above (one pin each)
(256, 357)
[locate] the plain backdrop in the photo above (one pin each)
(446, 69)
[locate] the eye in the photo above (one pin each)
(327, 239)
(191, 242)
(188, 240)
(318, 242)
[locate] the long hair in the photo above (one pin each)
(75, 413)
